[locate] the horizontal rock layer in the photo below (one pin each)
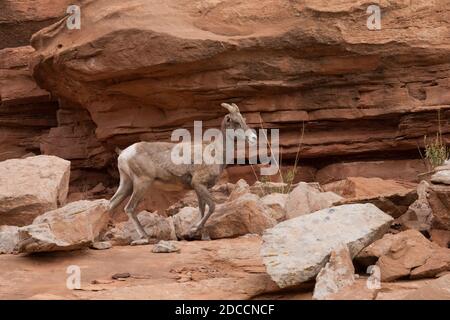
(27, 112)
(143, 68)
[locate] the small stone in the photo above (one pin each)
(165, 247)
(102, 245)
(122, 275)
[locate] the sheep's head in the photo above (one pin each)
(235, 121)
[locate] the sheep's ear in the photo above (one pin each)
(235, 106)
(229, 107)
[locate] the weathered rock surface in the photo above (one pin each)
(438, 289)
(419, 215)
(392, 197)
(9, 237)
(277, 202)
(20, 19)
(439, 201)
(395, 204)
(30, 187)
(244, 215)
(295, 250)
(406, 254)
(441, 237)
(26, 111)
(74, 226)
(404, 170)
(358, 92)
(337, 274)
(361, 187)
(156, 226)
(305, 199)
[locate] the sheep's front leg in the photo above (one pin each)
(204, 197)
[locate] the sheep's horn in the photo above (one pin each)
(230, 108)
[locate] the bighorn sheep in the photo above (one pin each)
(149, 163)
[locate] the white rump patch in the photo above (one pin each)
(128, 153)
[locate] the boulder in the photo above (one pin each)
(337, 274)
(9, 237)
(419, 215)
(74, 226)
(184, 220)
(442, 176)
(244, 215)
(407, 254)
(438, 289)
(277, 202)
(305, 199)
(441, 237)
(439, 200)
(394, 204)
(361, 187)
(295, 250)
(31, 186)
(156, 226)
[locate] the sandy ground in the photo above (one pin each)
(220, 269)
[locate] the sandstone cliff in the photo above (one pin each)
(139, 69)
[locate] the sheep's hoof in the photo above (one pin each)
(205, 236)
(193, 233)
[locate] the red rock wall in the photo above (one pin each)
(139, 69)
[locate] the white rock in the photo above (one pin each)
(31, 186)
(9, 237)
(337, 274)
(184, 220)
(442, 176)
(165, 247)
(295, 250)
(305, 199)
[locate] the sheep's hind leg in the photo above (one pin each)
(124, 190)
(139, 189)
